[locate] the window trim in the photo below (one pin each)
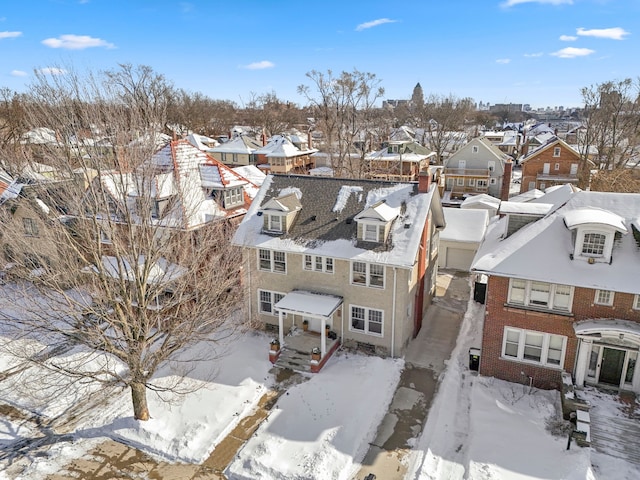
(30, 226)
(544, 354)
(367, 274)
(611, 296)
(556, 151)
(367, 319)
(273, 301)
(272, 261)
(636, 302)
(311, 266)
(281, 220)
(526, 303)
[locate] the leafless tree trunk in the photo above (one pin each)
(101, 256)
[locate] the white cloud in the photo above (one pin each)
(503, 60)
(76, 42)
(53, 71)
(10, 35)
(374, 23)
(568, 38)
(530, 55)
(259, 65)
(615, 33)
(572, 52)
(18, 73)
(511, 3)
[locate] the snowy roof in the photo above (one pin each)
(482, 198)
(587, 327)
(162, 271)
(251, 173)
(464, 225)
(380, 212)
(527, 196)
(302, 302)
(552, 141)
(201, 142)
(541, 250)
(592, 215)
(280, 146)
(325, 226)
(525, 208)
(242, 144)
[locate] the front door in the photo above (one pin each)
(315, 324)
(612, 365)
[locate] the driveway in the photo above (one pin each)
(425, 360)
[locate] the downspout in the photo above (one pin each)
(342, 323)
(393, 314)
(249, 284)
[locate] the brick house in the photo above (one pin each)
(562, 294)
(356, 256)
(553, 163)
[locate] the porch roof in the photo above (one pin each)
(308, 303)
(617, 326)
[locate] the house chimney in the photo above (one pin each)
(424, 180)
(264, 138)
(309, 140)
(506, 180)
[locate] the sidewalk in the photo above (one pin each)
(425, 361)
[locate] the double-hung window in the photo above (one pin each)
(366, 320)
(543, 295)
(367, 274)
(30, 227)
(370, 233)
(636, 302)
(275, 223)
(604, 297)
(267, 301)
(536, 347)
(318, 263)
(272, 261)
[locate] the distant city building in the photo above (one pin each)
(506, 107)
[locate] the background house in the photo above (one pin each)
(460, 239)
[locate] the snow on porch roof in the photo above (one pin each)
(587, 327)
(302, 302)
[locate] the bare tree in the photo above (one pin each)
(344, 110)
(201, 114)
(102, 257)
(612, 122)
(441, 116)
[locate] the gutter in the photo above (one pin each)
(393, 314)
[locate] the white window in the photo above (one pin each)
(544, 295)
(535, 347)
(543, 186)
(603, 297)
(474, 149)
(532, 185)
(370, 233)
(368, 274)
(472, 182)
(493, 181)
(267, 301)
(366, 320)
(233, 197)
(556, 166)
(556, 152)
(275, 223)
(30, 227)
(272, 261)
(460, 182)
(636, 302)
(574, 169)
(481, 183)
(317, 263)
(593, 244)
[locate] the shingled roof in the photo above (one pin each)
(325, 224)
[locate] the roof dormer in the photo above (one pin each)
(279, 213)
(374, 222)
(593, 233)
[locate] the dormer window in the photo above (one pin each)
(274, 222)
(371, 233)
(594, 231)
(374, 223)
(593, 244)
(228, 197)
(279, 213)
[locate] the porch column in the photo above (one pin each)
(281, 328)
(323, 337)
(582, 362)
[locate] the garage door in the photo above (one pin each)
(459, 259)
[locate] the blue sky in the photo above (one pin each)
(539, 52)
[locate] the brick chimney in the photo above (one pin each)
(264, 138)
(309, 140)
(424, 180)
(506, 180)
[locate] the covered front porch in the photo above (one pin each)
(608, 353)
(309, 328)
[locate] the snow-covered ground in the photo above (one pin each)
(478, 428)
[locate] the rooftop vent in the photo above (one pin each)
(407, 225)
(259, 214)
(349, 221)
(313, 218)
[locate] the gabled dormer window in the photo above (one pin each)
(227, 197)
(374, 223)
(275, 222)
(279, 213)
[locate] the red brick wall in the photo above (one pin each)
(534, 166)
(498, 316)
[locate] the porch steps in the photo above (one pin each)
(615, 435)
(294, 360)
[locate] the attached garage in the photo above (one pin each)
(460, 239)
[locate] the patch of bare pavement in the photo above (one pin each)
(424, 364)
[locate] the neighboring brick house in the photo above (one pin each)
(478, 167)
(357, 255)
(563, 294)
(553, 163)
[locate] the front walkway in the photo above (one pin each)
(425, 361)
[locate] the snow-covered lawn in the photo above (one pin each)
(321, 428)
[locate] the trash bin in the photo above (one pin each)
(474, 359)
